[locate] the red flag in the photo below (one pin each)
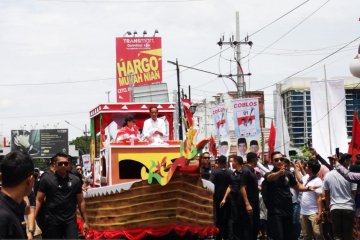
(354, 146)
(212, 146)
(187, 104)
(271, 139)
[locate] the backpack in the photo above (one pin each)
(265, 192)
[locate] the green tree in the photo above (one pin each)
(82, 144)
(306, 154)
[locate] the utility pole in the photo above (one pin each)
(178, 97)
(179, 100)
(108, 95)
(240, 79)
(240, 83)
(189, 93)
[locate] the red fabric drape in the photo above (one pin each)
(135, 234)
(186, 106)
(271, 140)
(354, 146)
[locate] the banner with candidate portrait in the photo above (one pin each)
(247, 125)
(138, 63)
(221, 124)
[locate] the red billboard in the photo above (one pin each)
(138, 63)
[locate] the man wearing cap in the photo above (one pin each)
(339, 197)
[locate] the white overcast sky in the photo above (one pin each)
(53, 41)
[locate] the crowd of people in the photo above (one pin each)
(287, 199)
(34, 206)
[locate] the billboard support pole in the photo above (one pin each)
(179, 100)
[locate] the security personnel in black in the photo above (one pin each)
(17, 171)
(236, 203)
(221, 178)
(250, 194)
(63, 191)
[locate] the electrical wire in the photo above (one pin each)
(121, 1)
(277, 19)
(44, 116)
(313, 64)
(351, 48)
(55, 83)
(290, 30)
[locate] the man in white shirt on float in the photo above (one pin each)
(154, 129)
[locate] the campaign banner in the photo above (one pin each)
(247, 125)
(221, 124)
(86, 161)
(138, 63)
(42, 143)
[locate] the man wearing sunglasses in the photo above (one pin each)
(280, 209)
(63, 191)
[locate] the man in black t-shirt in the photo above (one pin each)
(250, 193)
(17, 171)
(221, 178)
(236, 202)
(280, 209)
(63, 191)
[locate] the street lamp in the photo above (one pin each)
(155, 32)
(355, 65)
(127, 33)
(178, 96)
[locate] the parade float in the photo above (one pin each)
(141, 189)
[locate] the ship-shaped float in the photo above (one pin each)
(145, 190)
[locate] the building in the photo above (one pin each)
(295, 93)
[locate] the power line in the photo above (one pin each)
(298, 54)
(277, 19)
(289, 31)
(310, 66)
(121, 1)
(331, 47)
(55, 83)
(43, 116)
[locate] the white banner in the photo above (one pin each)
(282, 139)
(221, 124)
(247, 125)
(328, 128)
(86, 160)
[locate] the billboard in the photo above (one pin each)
(221, 124)
(42, 143)
(247, 125)
(138, 63)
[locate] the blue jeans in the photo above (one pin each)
(296, 221)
